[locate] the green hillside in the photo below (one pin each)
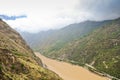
(91, 42)
(17, 60)
(100, 48)
(56, 39)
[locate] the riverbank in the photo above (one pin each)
(68, 71)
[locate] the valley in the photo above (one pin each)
(89, 42)
(60, 40)
(68, 71)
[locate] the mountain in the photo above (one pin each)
(56, 39)
(101, 49)
(93, 43)
(17, 60)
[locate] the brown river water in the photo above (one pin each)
(68, 71)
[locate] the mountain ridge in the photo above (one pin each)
(100, 47)
(52, 38)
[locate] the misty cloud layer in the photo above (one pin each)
(101, 9)
(54, 14)
(5, 17)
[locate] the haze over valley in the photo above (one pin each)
(60, 40)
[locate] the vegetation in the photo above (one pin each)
(100, 49)
(54, 40)
(0, 67)
(98, 46)
(17, 60)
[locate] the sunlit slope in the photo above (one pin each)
(17, 61)
(101, 49)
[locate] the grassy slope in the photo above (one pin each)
(17, 61)
(101, 48)
(56, 39)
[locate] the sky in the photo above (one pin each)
(41, 15)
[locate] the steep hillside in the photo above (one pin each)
(56, 39)
(17, 60)
(93, 43)
(100, 49)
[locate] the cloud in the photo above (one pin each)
(5, 17)
(101, 9)
(54, 14)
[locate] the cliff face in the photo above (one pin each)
(17, 60)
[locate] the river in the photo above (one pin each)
(68, 71)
